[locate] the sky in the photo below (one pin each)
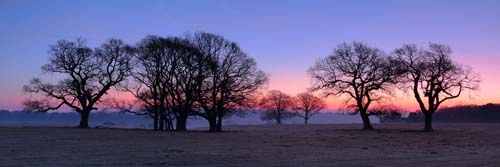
(285, 37)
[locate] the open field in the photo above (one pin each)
(265, 145)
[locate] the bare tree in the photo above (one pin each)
(89, 75)
(308, 105)
(277, 106)
(357, 71)
(431, 74)
(189, 69)
(166, 79)
(230, 82)
(152, 57)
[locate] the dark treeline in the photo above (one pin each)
(207, 76)
(470, 113)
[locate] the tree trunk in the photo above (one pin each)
(168, 123)
(180, 123)
(212, 121)
(366, 121)
(428, 121)
(161, 123)
(306, 117)
(84, 119)
(155, 121)
(219, 124)
(278, 118)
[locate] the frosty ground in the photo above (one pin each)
(260, 145)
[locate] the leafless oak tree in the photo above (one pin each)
(308, 105)
(186, 78)
(357, 71)
(166, 77)
(277, 106)
(230, 81)
(150, 76)
(89, 73)
(433, 77)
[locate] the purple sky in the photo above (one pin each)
(284, 36)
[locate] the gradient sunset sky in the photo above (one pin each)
(285, 37)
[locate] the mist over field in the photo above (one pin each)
(126, 120)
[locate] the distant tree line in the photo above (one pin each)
(468, 113)
(208, 76)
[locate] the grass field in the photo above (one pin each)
(266, 145)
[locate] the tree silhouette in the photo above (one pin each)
(277, 106)
(152, 64)
(165, 80)
(189, 67)
(431, 74)
(357, 71)
(230, 81)
(308, 105)
(89, 75)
